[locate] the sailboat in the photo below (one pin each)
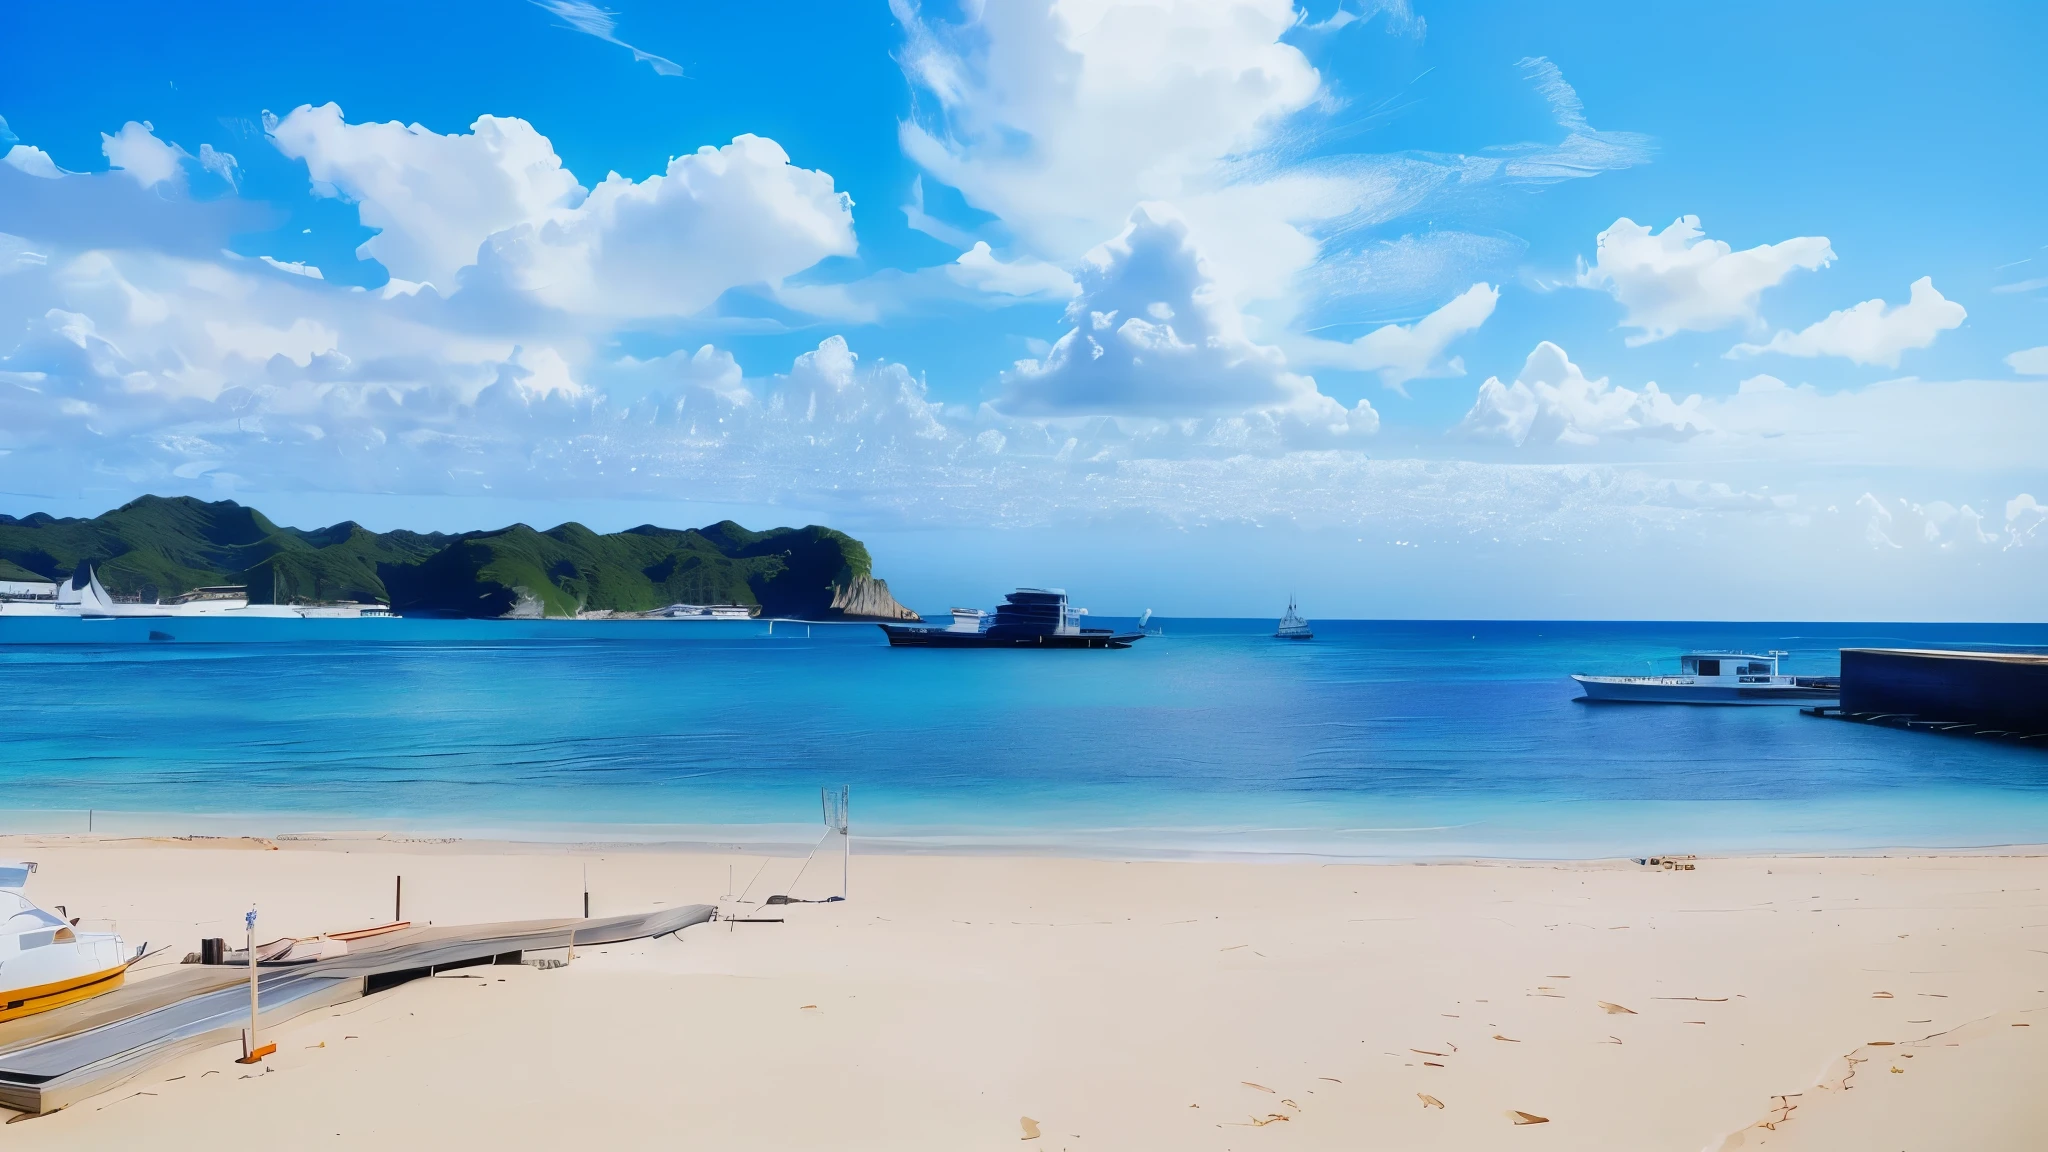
(46, 962)
(1292, 625)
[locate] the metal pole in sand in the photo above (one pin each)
(251, 1053)
(846, 834)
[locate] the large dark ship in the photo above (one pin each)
(1028, 618)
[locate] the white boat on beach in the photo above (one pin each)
(1717, 678)
(45, 961)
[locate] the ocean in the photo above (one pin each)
(1386, 739)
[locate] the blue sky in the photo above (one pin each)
(1475, 310)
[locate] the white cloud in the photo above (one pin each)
(668, 245)
(433, 198)
(136, 152)
(33, 161)
(2024, 516)
(221, 164)
(257, 343)
(1877, 521)
(2029, 361)
(1585, 150)
(922, 221)
(1059, 117)
(295, 267)
(979, 268)
(591, 20)
(1152, 336)
(1404, 352)
(1552, 402)
(1677, 280)
(1870, 333)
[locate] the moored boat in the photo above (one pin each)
(45, 961)
(1293, 626)
(1027, 618)
(1716, 678)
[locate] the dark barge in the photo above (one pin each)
(2003, 695)
(1027, 618)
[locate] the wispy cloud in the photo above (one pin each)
(591, 20)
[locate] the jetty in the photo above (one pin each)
(2001, 695)
(54, 1059)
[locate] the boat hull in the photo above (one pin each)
(910, 636)
(1637, 690)
(18, 1002)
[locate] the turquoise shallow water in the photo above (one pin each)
(1377, 738)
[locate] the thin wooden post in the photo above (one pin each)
(398, 899)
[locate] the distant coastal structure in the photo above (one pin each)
(194, 557)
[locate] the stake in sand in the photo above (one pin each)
(251, 1054)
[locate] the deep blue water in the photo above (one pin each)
(1378, 737)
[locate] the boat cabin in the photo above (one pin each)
(1036, 612)
(1742, 667)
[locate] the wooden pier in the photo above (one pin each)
(56, 1058)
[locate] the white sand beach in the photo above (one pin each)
(970, 1002)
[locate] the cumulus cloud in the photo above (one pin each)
(1678, 280)
(136, 152)
(433, 198)
(1870, 332)
(1058, 118)
(979, 268)
(591, 20)
(2029, 361)
(1552, 402)
(667, 245)
(1152, 336)
(1404, 352)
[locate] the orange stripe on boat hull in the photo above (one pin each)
(20, 1002)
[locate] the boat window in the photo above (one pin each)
(1755, 669)
(13, 876)
(1710, 667)
(29, 918)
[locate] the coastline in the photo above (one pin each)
(1392, 832)
(1139, 1004)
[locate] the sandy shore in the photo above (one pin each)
(962, 1003)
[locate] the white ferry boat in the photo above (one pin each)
(1717, 678)
(84, 597)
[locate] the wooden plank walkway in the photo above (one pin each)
(56, 1058)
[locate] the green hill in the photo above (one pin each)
(157, 547)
